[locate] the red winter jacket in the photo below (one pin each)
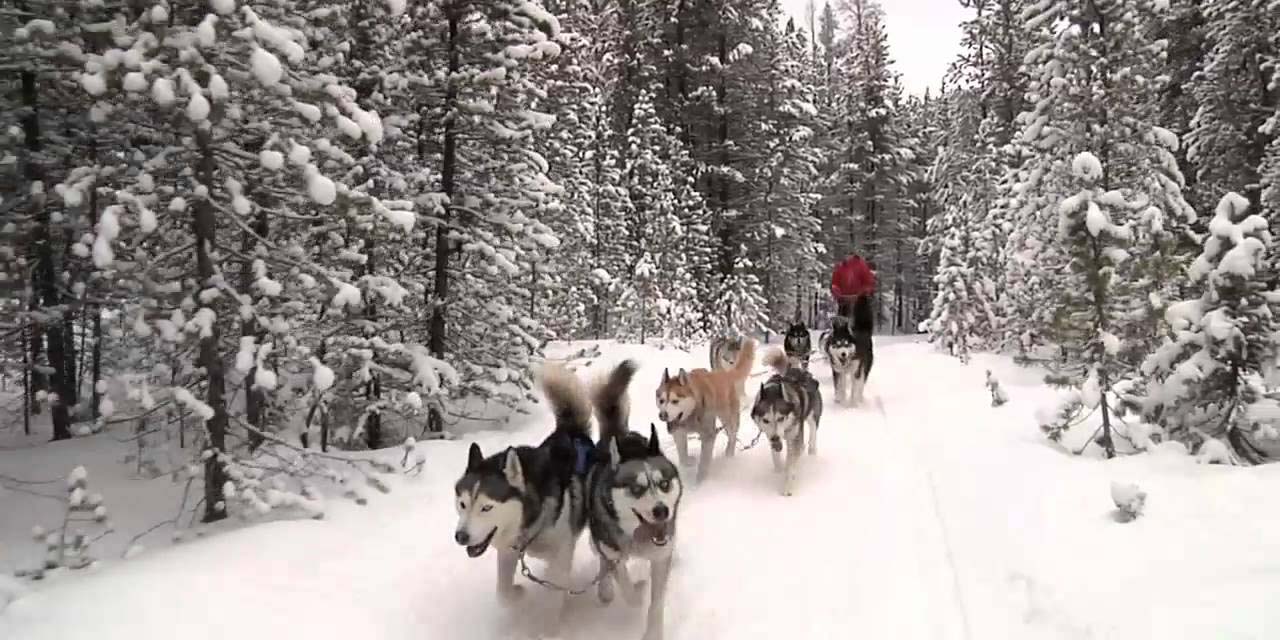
(852, 278)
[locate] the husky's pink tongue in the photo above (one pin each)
(657, 533)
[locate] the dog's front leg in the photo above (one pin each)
(813, 434)
(794, 446)
(777, 459)
(681, 436)
(659, 574)
(605, 578)
(707, 450)
(630, 588)
(561, 568)
(730, 432)
(859, 385)
(508, 590)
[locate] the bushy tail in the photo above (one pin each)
(746, 359)
(568, 402)
(611, 402)
(776, 359)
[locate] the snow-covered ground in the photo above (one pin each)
(927, 514)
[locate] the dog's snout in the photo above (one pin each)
(661, 512)
(461, 537)
(662, 415)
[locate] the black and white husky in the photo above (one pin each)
(798, 345)
(785, 403)
(534, 499)
(634, 499)
(848, 346)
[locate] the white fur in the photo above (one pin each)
(659, 557)
(848, 389)
(479, 514)
(784, 427)
(678, 411)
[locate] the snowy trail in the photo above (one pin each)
(935, 518)
(857, 548)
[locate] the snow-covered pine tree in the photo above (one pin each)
(479, 128)
(864, 204)
(990, 74)
(963, 314)
(1210, 372)
(47, 130)
(1095, 77)
(584, 156)
(1095, 227)
(783, 232)
(1234, 96)
(658, 296)
(234, 182)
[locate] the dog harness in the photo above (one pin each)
(582, 449)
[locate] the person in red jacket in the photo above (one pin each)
(852, 283)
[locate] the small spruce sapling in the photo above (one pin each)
(84, 522)
(1129, 501)
(998, 395)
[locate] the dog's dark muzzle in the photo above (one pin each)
(657, 531)
(775, 443)
(474, 550)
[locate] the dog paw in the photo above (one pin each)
(511, 595)
(635, 595)
(605, 592)
(652, 634)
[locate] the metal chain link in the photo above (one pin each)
(528, 573)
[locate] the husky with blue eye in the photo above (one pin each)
(633, 501)
(786, 402)
(533, 500)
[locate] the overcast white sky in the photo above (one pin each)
(924, 37)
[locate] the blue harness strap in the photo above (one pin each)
(582, 446)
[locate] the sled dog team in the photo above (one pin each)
(537, 501)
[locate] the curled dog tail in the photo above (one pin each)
(568, 402)
(746, 360)
(611, 403)
(776, 359)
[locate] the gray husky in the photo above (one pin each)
(724, 352)
(786, 401)
(534, 499)
(634, 498)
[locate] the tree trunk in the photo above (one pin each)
(373, 424)
(28, 394)
(47, 273)
(254, 398)
(440, 290)
(96, 373)
(204, 223)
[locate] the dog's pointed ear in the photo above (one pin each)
(666, 374)
(615, 457)
(474, 457)
(683, 377)
(513, 471)
(655, 448)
